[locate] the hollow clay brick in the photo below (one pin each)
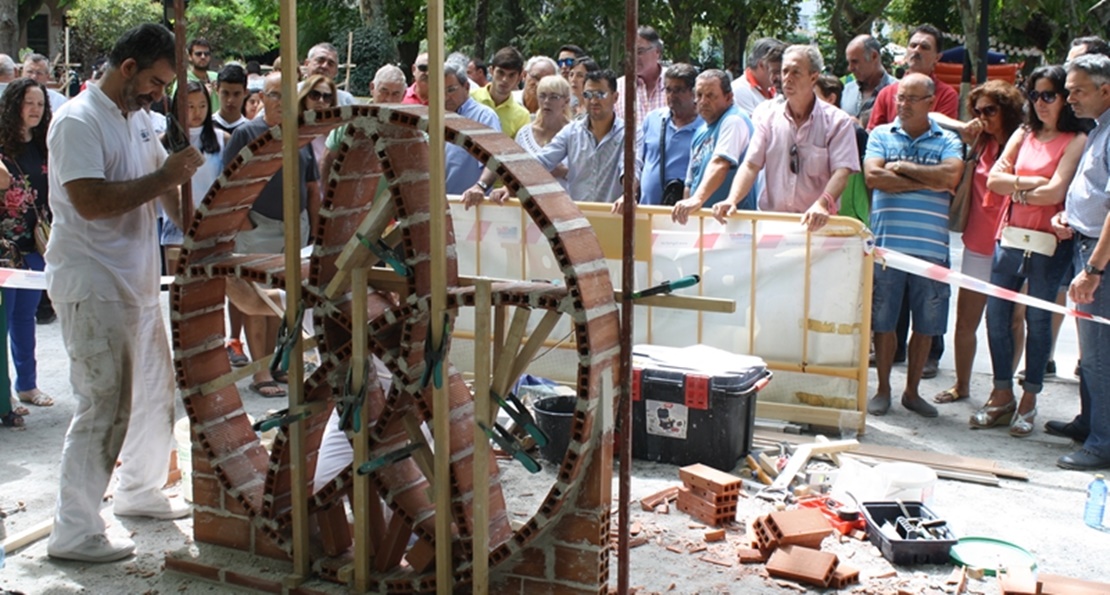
(802, 564)
(710, 479)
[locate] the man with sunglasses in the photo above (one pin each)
(200, 57)
(566, 57)
(805, 148)
(417, 93)
(911, 165)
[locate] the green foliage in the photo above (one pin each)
(96, 24)
(231, 27)
(372, 47)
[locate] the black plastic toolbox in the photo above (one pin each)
(906, 552)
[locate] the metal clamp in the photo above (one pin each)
(435, 356)
(521, 417)
(286, 339)
(508, 443)
(668, 286)
(386, 254)
(388, 458)
(350, 405)
(280, 419)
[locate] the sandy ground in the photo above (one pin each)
(1043, 514)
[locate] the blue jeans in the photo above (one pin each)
(1094, 344)
(1010, 270)
(20, 306)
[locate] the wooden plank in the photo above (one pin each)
(801, 457)
(363, 492)
(482, 339)
(532, 345)
(804, 414)
(685, 302)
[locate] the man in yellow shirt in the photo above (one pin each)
(506, 69)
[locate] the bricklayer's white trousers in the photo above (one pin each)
(122, 377)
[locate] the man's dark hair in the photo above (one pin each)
(146, 44)
(253, 67)
(480, 64)
(830, 85)
(650, 35)
(682, 72)
(765, 49)
(722, 78)
(603, 75)
(506, 58)
(1094, 43)
(199, 42)
(931, 31)
(570, 47)
(232, 74)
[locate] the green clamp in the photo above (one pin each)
(386, 254)
(521, 417)
(286, 339)
(279, 419)
(508, 443)
(388, 458)
(668, 286)
(350, 405)
(435, 356)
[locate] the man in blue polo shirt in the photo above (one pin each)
(667, 135)
(912, 166)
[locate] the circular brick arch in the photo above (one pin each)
(387, 141)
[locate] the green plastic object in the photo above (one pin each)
(990, 554)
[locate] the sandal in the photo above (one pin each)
(949, 396)
(989, 416)
(282, 377)
(1022, 424)
(268, 389)
(36, 397)
(19, 409)
(11, 420)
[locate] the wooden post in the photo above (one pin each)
(362, 491)
(482, 304)
(437, 190)
(347, 78)
(291, 212)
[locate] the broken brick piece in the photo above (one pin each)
(802, 564)
(649, 503)
(749, 555)
(843, 576)
(713, 536)
(716, 561)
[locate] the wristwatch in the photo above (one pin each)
(1091, 270)
(484, 186)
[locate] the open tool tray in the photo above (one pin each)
(905, 552)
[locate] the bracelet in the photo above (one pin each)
(1020, 194)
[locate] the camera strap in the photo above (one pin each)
(663, 157)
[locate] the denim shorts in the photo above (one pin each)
(928, 301)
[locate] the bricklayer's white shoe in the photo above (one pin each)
(154, 505)
(98, 549)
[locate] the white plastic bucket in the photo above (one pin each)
(184, 456)
(910, 482)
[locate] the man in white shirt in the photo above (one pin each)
(107, 167)
(758, 82)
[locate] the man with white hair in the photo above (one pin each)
(37, 68)
(535, 69)
(388, 85)
(805, 147)
(7, 71)
(463, 170)
(323, 59)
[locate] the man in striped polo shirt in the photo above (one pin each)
(912, 165)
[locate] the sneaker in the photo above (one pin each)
(235, 353)
(155, 506)
(98, 548)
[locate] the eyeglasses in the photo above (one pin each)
(594, 94)
(452, 89)
(1045, 96)
(202, 54)
(315, 95)
(550, 97)
(912, 98)
(422, 67)
(565, 62)
(794, 159)
(987, 111)
(643, 49)
(675, 90)
(273, 95)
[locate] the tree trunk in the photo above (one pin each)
(969, 18)
(481, 28)
(9, 28)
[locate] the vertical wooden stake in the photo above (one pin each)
(362, 488)
(347, 78)
(482, 303)
(181, 112)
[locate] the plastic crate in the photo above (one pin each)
(684, 415)
(906, 552)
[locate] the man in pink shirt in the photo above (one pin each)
(922, 53)
(649, 76)
(417, 93)
(806, 148)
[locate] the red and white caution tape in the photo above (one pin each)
(921, 268)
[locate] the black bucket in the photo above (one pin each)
(555, 416)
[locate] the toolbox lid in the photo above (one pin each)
(700, 359)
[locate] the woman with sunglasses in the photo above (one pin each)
(997, 107)
(317, 93)
(24, 119)
(1035, 169)
(553, 95)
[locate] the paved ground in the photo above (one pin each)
(1043, 514)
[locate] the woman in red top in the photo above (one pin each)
(1035, 169)
(997, 106)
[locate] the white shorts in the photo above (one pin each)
(977, 265)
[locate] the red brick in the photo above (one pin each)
(207, 491)
(580, 528)
(580, 566)
(532, 561)
(254, 583)
(193, 568)
(264, 545)
(802, 564)
(226, 530)
(708, 478)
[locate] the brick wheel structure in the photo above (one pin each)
(242, 491)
